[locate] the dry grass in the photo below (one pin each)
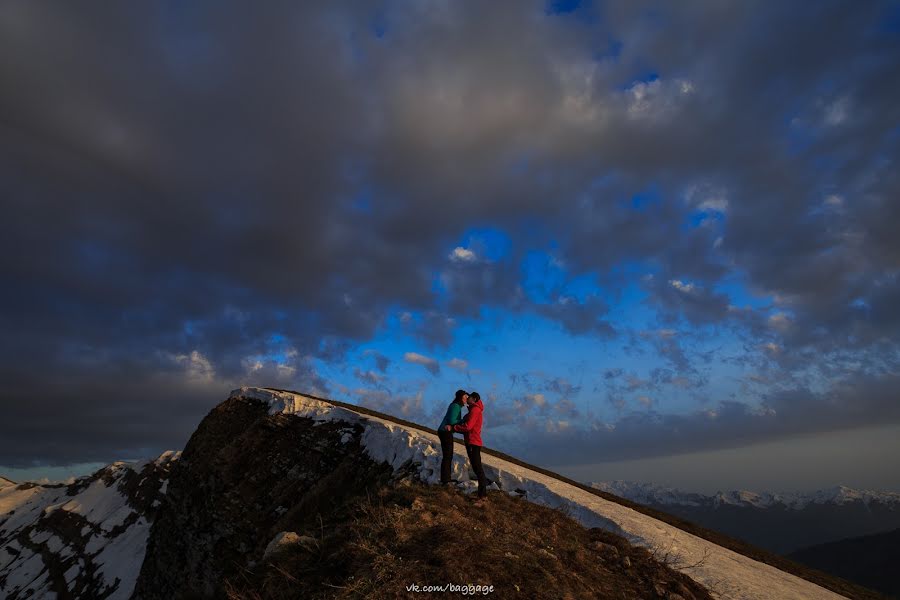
(425, 535)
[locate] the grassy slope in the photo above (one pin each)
(835, 584)
(412, 533)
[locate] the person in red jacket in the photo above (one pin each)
(471, 430)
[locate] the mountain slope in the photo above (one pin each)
(871, 560)
(348, 524)
(725, 572)
(778, 522)
(412, 533)
(80, 540)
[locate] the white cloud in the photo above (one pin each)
(419, 359)
(655, 99)
(529, 401)
(196, 366)
(771, 348)
(779, 321)
(461, 254)
(837, 112)
(714, 204)
(685, 288)
(707, 198)
(458, 364)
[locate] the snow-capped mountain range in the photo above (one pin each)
(88, 534)
(780, 522)
(649, 493)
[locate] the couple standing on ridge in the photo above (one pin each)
(470, 427)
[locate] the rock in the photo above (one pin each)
(288, 539)
(544, 552)
(606, 549)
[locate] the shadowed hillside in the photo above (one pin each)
(870, 560)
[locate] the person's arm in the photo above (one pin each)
(464, 426)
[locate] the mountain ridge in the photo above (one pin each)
(273, 504)
(869, 560)
(778, 523)
(738, 579)
(650, 493)
(85, 538)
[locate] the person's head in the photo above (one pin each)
(462, 397)
(474, 397)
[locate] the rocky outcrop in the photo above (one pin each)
(244, 477)
(85, 539)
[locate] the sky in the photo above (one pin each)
(658, 238)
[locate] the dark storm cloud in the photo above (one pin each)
(433, 328)
(578, 317)
(381, 361)
(369, 377)
(191, 189)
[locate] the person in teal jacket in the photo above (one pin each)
(453, 417)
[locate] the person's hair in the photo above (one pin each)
(475, 395)
(459, 395)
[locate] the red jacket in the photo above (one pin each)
(471, 424)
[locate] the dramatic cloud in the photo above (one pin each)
(653, 209)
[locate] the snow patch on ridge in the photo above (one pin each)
(725, 573)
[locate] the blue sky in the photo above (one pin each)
(641, 230)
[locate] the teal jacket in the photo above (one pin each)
(453, 416)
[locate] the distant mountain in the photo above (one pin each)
(81, 539)
(781, 522)
(872, 560)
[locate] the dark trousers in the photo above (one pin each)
(446, 438)
(474, 453)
